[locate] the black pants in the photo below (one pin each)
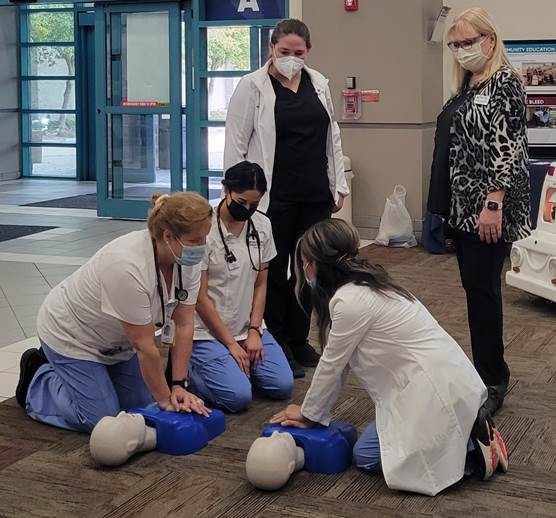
(285, 319)
(480, 266)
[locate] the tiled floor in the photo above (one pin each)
(30, 266)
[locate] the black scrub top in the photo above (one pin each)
(440, 191)
(300, 165)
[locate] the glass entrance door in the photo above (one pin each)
(139, 106)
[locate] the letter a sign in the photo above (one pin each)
(224, 10)
(248, 4)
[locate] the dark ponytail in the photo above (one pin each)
(245, 176)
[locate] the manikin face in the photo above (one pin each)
(271, 461)
(284, 439)
(114, 439)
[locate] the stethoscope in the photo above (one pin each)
(180, 292)
(251, 233)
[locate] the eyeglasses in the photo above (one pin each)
(464, 44)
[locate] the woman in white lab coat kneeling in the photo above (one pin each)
(429, 429)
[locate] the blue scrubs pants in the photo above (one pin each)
(366, 452)
(215, 376)
(76, 394)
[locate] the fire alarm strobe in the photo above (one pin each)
(351, 5)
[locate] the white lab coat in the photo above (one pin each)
(251, 129)
(426, 391)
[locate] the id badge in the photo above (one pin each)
(234, 265)
(168, 333)
(482, 100)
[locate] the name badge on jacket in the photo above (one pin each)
(482, 100)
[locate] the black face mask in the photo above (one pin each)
(239, 212)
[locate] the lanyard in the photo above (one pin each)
(181, 294)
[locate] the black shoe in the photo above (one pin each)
(297, 369)
(305, 355)
(482, 437)
(495, 398)
(30, 362)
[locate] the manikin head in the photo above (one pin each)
(115, 439)
(272, 460)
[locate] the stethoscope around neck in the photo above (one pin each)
(180, 292)
(251, 233)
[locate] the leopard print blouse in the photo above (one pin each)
(488, 152)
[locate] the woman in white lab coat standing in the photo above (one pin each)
(427, 394)
(281, 117)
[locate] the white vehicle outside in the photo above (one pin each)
(534, 258)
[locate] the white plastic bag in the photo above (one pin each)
(396, 228)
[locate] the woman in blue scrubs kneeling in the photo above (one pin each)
(233, 351)
(98, 328)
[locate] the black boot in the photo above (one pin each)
(306, 355)
(29, 364)
(497, 393)
(297, 369)
(495, 400)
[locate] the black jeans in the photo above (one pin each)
(480, 266)
(285, 319)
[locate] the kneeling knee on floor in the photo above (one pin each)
(88, 418)
(365, 461)
(237, 401)
(282, 390)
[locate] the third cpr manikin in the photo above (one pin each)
(271, 461)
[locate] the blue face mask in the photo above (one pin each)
(190, 255)
(310, 282)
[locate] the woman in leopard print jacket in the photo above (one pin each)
(480, 182)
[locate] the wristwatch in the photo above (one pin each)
(259, 329)
(492, 205)
(180, 383)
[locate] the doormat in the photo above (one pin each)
(84, 201)
(8, 232)
(89, 201)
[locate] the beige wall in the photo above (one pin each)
(296, 9)
(516, 19)
(392, 142)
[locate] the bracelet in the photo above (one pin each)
(180, 383)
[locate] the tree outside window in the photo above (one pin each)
(56, 27)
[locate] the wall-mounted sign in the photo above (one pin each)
(536, 63)
(370, 96)
(143, 104)
(244, 9)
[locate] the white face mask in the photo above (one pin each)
(288, 66)
(472, 59)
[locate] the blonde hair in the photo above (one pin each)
(180, 213)
(480, 20)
